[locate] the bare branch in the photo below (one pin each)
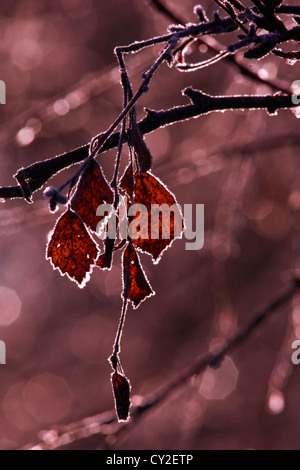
(39, 173)
(217, 47)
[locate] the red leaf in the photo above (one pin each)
(135, 282)
(104, 262)
(105, 259)
(92, 191)
(148, 191)
(121, 390)
(71, 249)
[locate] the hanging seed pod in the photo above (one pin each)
(121, 388)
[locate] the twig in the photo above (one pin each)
(105, 423)
(203, 64)
(30, 183)
(217, 47)
(232, 15)
(288, 9)
(98, 141)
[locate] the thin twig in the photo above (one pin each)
(216, 47)
(203, 64)
(98, 141)
(232, 15)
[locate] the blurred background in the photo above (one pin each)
(63, 88)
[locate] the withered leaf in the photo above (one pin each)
(121, 390)
(104, 260)
(158, 229)
(92, 191)
(71, 249)
(135, 282)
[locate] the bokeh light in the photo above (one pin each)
(10, 306)
(51, 390)
(276, 402)
(218, 383)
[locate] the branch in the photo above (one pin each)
(216, 47)
(265, 43)
(105, 424)
(207, 104)
(288, 9)
(39, 173)
(229, 10)
(35, 176)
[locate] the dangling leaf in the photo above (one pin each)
(92, 191)
(121, 390)
(135, 282)
(104, 260)
(71, 249)
(162, 225)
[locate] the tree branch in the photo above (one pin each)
(216, 47)
(39, 173)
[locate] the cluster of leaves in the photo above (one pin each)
(73, 250)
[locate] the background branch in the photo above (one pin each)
(105, 424)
